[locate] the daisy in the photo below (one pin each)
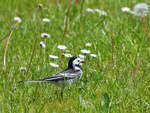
(40, 6)
(43, 35)
(63, 54)
(125, 9)
(18, 19)
(103, 13)
(90, 10)
(62, 47)
(67, 55)
(97, 10)
(82, 56)
(84, 51)
(67, 51)
(23, 69)
(46, 20)
(88, 44)
(42, 44)
(100, 12)
(54, 65)
(53, 57)
(93, 55)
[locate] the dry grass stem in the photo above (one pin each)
(146, 29)
(34, 44)
(66, 20)
(8, 41)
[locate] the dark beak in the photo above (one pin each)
(82, 61)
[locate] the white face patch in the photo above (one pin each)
(77, 62)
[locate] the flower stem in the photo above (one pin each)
(146, 29)
(66, 19)
(77, 1)
(8, 41)
(44, 53)
(5, 53)
(34, 45)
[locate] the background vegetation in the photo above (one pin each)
(105, 86)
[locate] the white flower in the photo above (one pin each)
(84, 51)
(18, 19)
(88, 44)
(53, 57)
(67, 51)
(140, 9)
(90, 10)
(82, 56)
(62, 47)
(100, 12)
(42, 44)
(97, 10)
(40, 5)
(46, 20)
(54, 65)
(68, 55)
(43, 35)
(103, 13)
(125, 9)
(23, 69)
(93, 55)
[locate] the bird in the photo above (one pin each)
(66, 77)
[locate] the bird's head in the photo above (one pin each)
(75, 62)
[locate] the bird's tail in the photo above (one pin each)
(31, 81)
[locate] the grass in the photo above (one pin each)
(106, 87)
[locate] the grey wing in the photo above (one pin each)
(65, 75)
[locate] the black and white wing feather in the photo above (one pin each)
(65, 75)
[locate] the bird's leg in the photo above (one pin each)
(67, 85)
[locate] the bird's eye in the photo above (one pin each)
(78, 60)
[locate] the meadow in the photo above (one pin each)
(116, 81)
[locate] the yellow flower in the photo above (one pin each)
(63, 54)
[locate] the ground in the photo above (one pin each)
(116, 81)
